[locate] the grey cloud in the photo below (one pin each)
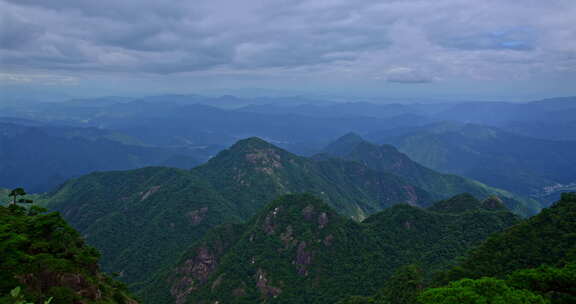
(15, 32)
(453, 38)
(520, 39)
(407, 75)
(109, 8)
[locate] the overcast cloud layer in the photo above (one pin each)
(381, 42)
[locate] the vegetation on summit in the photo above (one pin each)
(533, 261)
(43, 258)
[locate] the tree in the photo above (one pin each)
(15, 193)
(481, 291)
(556, 284)
(404, 286)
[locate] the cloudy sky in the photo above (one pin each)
(444, 49)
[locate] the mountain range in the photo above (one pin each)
(521, 164)
(237, 228)
(185, 130)
(142, 218)
(386, 158)
(40, 158)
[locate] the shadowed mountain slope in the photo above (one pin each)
(299, 250)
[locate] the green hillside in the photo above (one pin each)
(386, 158)
(144, 219)
(547, 238)
(505, 160)
(253, 172)
(533, 261)
(299, 250)
(43, 258)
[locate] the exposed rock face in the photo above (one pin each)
(303, 259)
(269, 225)
(265, 157)
(265, 160)
(150, 191)
(198, 215)
(412, 196)
(43, 281)
(287, 237)
(308, 212)
(203, 264)
(493, 203)
(182, 288)
(263, 285)
(196, 269)
(322, 220)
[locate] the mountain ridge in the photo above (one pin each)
(299, 250)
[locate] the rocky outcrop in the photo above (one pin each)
(269, 225)
(193, 272)
(264, 287)
(43, 281)
(150, 191)
(303, 259)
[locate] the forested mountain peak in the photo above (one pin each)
(457, 204)
(253, 152)
(386, 158)
(250, 143)
(493, 203)
(233, 186)
(517, 163)
(344, 144)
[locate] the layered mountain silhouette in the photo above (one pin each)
(142, 218)
(509, 161)
(386, 158)
(40, 158)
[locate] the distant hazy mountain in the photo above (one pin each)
(297, 123)
(386, 158)
(513, 162)
(166, 124)
(553, 118)
(299, 250)
(500, 113)
(40, 158)
(362, 109)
